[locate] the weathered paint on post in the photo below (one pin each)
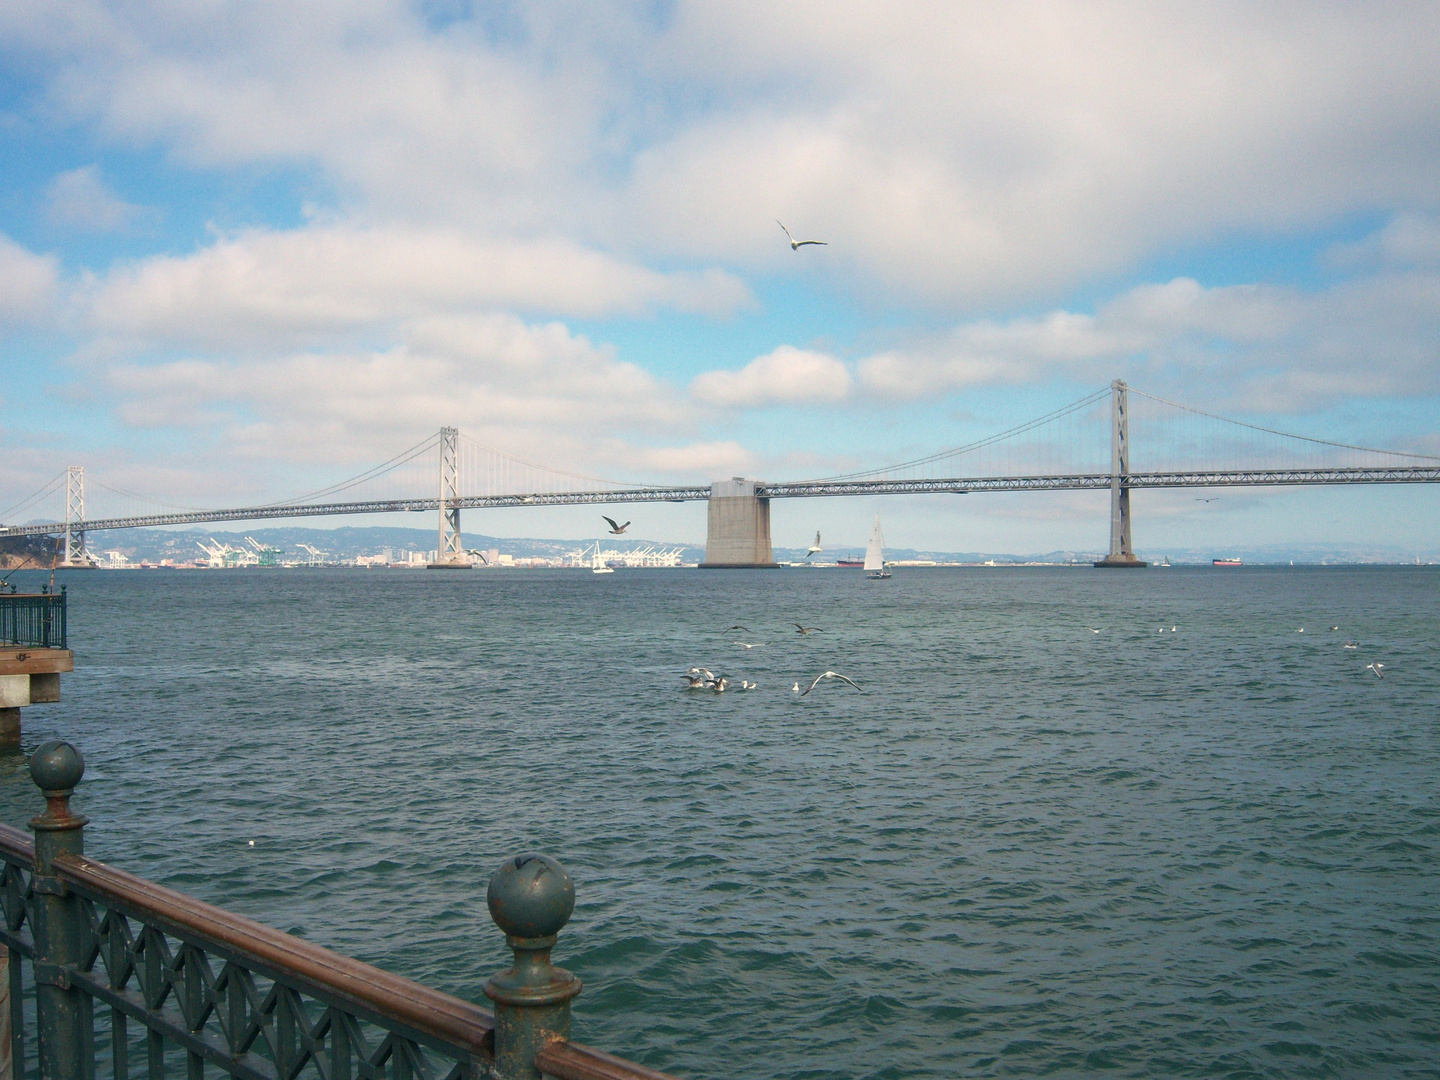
(64, 1021)
(531, 897)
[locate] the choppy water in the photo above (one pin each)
(1025, 849)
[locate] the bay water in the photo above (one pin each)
(1201, 841)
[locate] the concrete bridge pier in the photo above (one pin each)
(737, 534)
(1122, 555)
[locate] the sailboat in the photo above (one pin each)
(875, 553)
(597, 563)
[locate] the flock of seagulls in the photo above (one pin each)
(702, 678)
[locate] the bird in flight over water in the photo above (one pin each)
(1378, 669)
(807, 629)
(614, 528)
(813, 548)
(796, 245)
(829, 675)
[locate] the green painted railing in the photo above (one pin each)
(34, 619)
(176, 984)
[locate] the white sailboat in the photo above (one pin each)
(597, 562)
(875, 553)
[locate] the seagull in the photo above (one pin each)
(796, 245)
(795, 689)
(815, 546)
(1301, 630)
(250, 843)
(1172, 629)
(830, 675)
(737, 626)
(1352, 645)
(695, 682)
(749, 685)
(807, 629)
(720, 685)
(1092, 629)
(1334, 628)
(1379, 670)
(615, 529)
(1215, 499)
(747, 645)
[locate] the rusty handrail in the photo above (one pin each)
(17, 844)
(572, 1061)
(362, 985)
(373, 989)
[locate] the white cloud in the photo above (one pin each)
(27, 283)
(537, 391)
(951, 154)
(1254, 347)
(786, 376)
(80, 199)
(1405, 240)
(319, 281)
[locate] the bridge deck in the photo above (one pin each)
(1212, 478)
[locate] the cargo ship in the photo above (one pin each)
(1226, 562)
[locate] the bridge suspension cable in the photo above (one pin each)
(25, 504)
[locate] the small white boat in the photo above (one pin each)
(875, 553)
(597, 562)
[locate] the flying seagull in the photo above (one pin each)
(748, 645)
(616, 529)
(807, 629)
(815, 546)
(829, 675)
(1215, 499)
(1379, 670)
(1092, 629)
(796, 245)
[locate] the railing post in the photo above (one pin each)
(531, 898)
(64, 1026)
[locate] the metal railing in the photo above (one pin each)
(34, 619)
(184, 984)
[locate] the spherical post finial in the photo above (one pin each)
(56, 766)
(531, 898)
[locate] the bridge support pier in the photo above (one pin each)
(1121, 556)
(737, 534)
(449, 548)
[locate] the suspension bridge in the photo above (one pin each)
(1118, 439)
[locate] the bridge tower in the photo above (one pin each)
(1121, 553)
(450, 549)
(737, 531)
(75, 553)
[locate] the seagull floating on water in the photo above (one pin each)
(796, 245)
(614, 528)
(748, 645)
(749, 685)
(807, 629)
(795, 689)
(1092, 629)
(830, 675)
(1351, 645)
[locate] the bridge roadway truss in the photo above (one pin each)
(1213, 478)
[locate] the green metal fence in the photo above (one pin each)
(34, 619)
(173, 983)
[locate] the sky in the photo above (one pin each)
(250, 249)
